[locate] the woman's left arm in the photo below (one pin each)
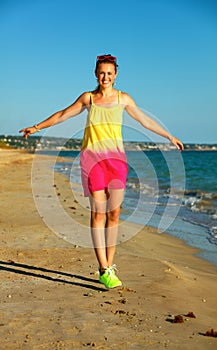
(135, 112)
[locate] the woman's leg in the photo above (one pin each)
(98, 209)
(114, 201)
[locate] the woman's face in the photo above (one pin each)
(106, 74)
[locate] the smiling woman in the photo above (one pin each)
(103, 160)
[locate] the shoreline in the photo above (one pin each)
(51, 296)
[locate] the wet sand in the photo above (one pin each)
(50, 294)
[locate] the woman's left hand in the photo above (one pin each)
(176, 143)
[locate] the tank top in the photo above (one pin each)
(103, 131)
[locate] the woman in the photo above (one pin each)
(103, 160)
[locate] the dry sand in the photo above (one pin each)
(51, 297)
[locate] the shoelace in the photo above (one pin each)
(112, 268)
(109, 269)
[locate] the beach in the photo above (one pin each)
(50, 294)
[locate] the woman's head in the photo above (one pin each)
(106, 59)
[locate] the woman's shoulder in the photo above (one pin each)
(124, 94)
(85, 98)
(126, 99)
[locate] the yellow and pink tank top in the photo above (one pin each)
(103, 160)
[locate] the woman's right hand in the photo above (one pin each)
(28, 131)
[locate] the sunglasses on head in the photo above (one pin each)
(106, 57)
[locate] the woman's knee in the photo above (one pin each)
(114, 215)
(97, 216)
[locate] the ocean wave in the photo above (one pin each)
(196, 201)
(141, 188)
(201, 202)
(213, 235)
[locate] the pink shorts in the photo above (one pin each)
(108, 173)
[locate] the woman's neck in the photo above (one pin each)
(107, 92)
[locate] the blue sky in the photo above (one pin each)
(167, 55)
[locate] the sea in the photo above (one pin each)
(175, 192)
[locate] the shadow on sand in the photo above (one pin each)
(33, 271)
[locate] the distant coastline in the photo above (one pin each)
(60, 143)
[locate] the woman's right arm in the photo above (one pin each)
(74, 109)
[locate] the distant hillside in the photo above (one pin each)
(4, 145)
(59, 143)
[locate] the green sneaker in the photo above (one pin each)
(109, 278)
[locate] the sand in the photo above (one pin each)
(50, 294)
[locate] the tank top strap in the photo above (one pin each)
(119, 96)
(91, 98)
